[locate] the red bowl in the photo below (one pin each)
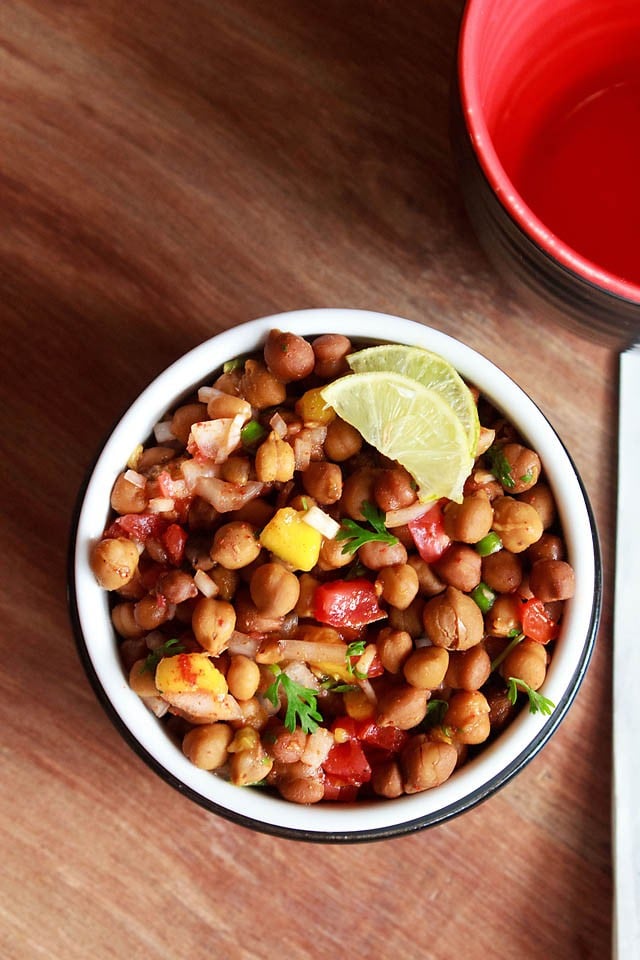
(519, 65)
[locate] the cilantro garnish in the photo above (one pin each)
(355, 649)
(516, 637)
(302, 704)
(436, 710)
(537, 703)
(168, 649)
(500, 466)
(354, 534)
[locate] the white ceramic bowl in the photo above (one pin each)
(334, 822)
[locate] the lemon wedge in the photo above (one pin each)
(409, 423)
(429, 369)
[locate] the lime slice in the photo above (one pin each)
(409, 423)
(428, 369)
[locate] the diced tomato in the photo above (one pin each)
(428, 533)
(174, 539)
(386, 739)
(347, 603)
(137, 526)
(536, 622)
(339, 790)
(348, 762)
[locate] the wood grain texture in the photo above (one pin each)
(167, 171)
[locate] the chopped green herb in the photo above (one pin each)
(527, 477)
(252, 433)
(516, 638)
(305, 503)
(483, 596)
(500, 466)
(354, 534)
(537, 703)
(335, 686)
(436, 710)
(489, 544)
(302, 704)
(355, 649)
(355, 570)
(232, 365)
(168, 649)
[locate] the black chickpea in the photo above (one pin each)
(524, 466)
(426, 667)
(213, 621)
(394, 489)
(460, 566)
(518, 524)
(468, 669)
(528, 662)
(330, 351)
(207, 745)
(152, 611)
(398, 584)
(114, 562)
(333, 556)
(342, 441)
(301, 790)
(394, 646)
(184, 418)
(541, 498)
(470, 520)
(429, 584)
(548, 547)
(504, 616)
(409, 619)
(323, 481)
(176, 586)
(127, 497)
(376, 555)
(467, 717)
(402, 706)
(502, 571)
(235, 545)
(552, 580)
(453, 620)
(274, 589)
(357, 489)
(426, 764)
(288, 356)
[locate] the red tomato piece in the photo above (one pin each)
(347, 603)
(174, 539)
(429, 535)
(389, 739)
(348, 762)
(536, 622)
(137, 526)
(339, 790)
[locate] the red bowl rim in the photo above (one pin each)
(476, 11)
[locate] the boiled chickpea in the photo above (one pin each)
(504, 616)
(235, 545)
(467, 717)
(402, 706)
(541, 498)
(469, 521)
(386, 779)
(301, 789)
(250, 620)
(376, 555)
(429, 584)
(206, 746)
(152, 611)
(323, 481)
(330, 351)
(236, 470)
(394, 489)
(453, 620)
(426, 764)
(426, 667)
(142, 680)
(222, 406)
(252, 714)
(468, 669)
(552, 580)
(288, 356)
(213, 621)
(226, 581)
(249, 766)
(184, 418)
(124, 621)
(342, 441)
(393, 646)
(275, 460)
(410, 619)
(177, 586)
(459, 566)
(502, 571)
(127, 497)
(398, 584)
(548, 547)
(524, 466)
(243, 677)
(153, 457)
(527, 661)
(260, 388)
(286, 746)
(274, 589)
(333, 556)
(305, 605)
(518, 524)
(114, 562)
(357, 489)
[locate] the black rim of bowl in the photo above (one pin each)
(356, 836)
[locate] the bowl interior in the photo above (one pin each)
(253, 807)
(522, 65)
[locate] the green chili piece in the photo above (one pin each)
(484, 597)
(489, 544)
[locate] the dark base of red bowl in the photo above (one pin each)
(532, 273)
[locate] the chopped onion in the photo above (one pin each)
(422, 642)
(224, 496)
(278, 425)
(398, 518)
(192, 470)
(321, 522)
(312, 651)
(215, 439)
(205, 584)
(243, 643)
(485, 440)
(300, 673)
(163, 432)
(302, 451)
(317, 747)
(368, 690)
(365, 661)
(208, 393)
(161, 504)
(131, 476)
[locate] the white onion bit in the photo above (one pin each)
(205, 584)
(322, 522)
(161, 504)
(131, 476)
(398, 518)
(278, 425)
(162, 431)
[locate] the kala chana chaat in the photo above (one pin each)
(335, 573)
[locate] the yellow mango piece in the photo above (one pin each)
(337, 671)
(187, 672)
(313, 409)
(291, 539)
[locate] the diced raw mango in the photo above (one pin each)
(187, 672)
(288, 537)
(313, 409)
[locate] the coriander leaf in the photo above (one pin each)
(527, 477)
(500, 466)
(537, 703)
(334, 686)
(302, 705)
(355, 649)
(354, 534)
(168, 649)
(516, 638)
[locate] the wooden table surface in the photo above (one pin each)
(169, 170)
